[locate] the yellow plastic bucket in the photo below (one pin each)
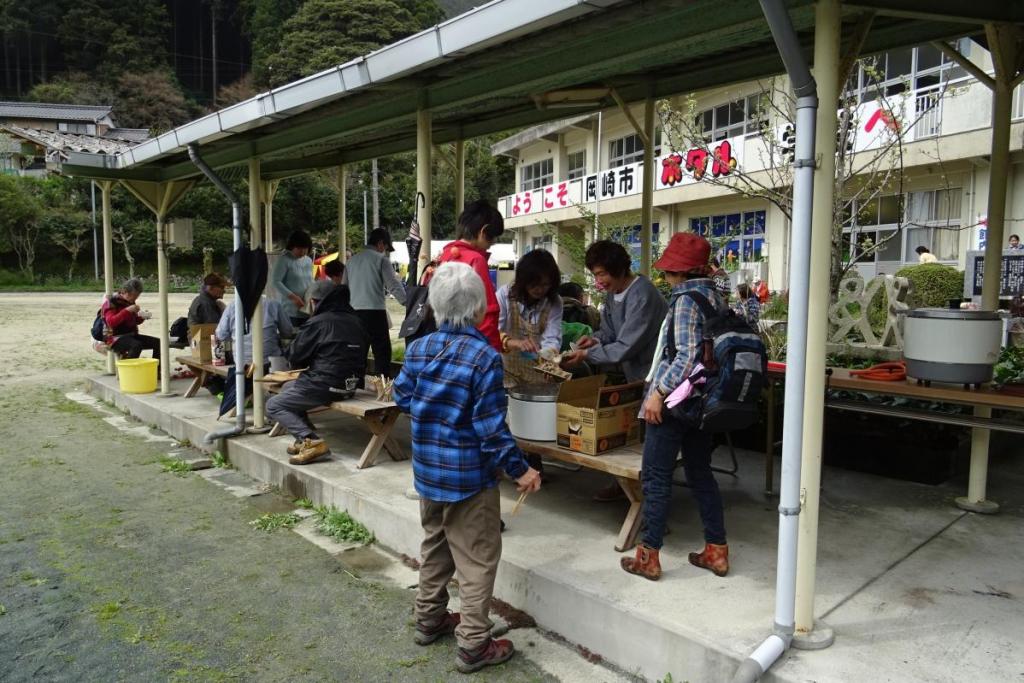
(137, 375)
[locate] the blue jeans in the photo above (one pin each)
(661, 447)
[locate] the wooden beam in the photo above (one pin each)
(967, 65)
(629, 116)
(853, 48)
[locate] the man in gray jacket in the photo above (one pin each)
(370, 278)
(633, 312)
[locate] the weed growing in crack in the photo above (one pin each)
(220, 461)
(341, 526)
(179, 467)
(276, 520)
(304, 503)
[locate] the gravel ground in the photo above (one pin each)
(112, 569)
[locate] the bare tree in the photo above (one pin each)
(862, 177)
(70, 235)
(123, 236)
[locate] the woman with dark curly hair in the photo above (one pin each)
(530, 316)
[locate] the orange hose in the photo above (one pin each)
(883, 372)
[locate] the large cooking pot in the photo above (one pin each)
(948, 345)
(533, 411)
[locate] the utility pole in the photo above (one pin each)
(213, 51)
(375, 191)
(366, 233)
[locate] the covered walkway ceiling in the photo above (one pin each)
(482, 73)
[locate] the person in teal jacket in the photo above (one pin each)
(293, 274)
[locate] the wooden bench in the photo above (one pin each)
(378, 416)
(202, 373)
(623, 463)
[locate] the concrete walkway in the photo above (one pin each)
(915, 589)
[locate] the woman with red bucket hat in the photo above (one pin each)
(685, 264)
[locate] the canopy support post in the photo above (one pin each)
(342, 219)
(647, 205)
(827, 36)
(256, 328)
(423, 179)
(108, 255)
(460, 177)
(1004, 45)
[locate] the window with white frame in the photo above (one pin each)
(628, 150)
(895, 71)
(79, 128)
(537, 175)
(545, 242)
(933, 221)
(576, 162)
(740, 117)
(929, 219)
(742, 234)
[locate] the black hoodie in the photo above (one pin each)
(332, 343)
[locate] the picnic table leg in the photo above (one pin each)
(381, 426)
(394, 450)
(631, 525)
(196, 385)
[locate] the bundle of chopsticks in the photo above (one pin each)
(383, 386)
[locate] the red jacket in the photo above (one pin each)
(464, 252)
(119, 320)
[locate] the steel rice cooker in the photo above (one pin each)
(949, 345)
(533, 411)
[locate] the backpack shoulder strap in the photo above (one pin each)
(706, 307)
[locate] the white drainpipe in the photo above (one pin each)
(796, 367)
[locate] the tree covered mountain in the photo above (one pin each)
(161, 63)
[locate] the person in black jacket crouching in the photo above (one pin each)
(332, 344)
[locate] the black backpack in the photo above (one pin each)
(98, 326)
(735, 371)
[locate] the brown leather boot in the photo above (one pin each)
(645, 564)
(714, 558)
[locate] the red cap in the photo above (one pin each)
(686, 252)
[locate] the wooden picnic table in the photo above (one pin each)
(623, 463)
(378, 416)
(202, 373)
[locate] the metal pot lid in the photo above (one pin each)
(952, 314)
(539, 393)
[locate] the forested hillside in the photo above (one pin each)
(160, 63)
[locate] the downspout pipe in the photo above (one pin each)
(236, 229)
(766, 654)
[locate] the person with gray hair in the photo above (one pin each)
(453, 387)
(121, 320)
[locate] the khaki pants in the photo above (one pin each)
(463, 537)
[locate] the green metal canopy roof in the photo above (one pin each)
(482, 73)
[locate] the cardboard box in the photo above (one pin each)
(593, 418)
(199, 337)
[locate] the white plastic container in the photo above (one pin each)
(533, 412)
(948, 345)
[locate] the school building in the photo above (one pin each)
(930, 116)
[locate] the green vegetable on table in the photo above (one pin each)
(1009, 369)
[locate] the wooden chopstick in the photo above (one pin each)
(522, 497)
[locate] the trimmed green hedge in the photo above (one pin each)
(933, 284)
